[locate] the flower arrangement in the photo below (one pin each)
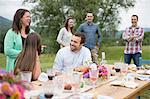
(10, 86)
(103, 71)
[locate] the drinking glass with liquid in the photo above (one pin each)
(93, 76)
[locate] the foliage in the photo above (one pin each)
(107, 42)
(146, 40)
(50, 15)
(5, 24)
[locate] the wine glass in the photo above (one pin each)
(58, 82)
(93, 77)
(50, 73)
(124, 69)
(76, 82)
(118, 69)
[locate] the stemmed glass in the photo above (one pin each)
(118, 69)
(76, 82)
(58, 85)
(50, 73)
(124, 69)
(93, 77)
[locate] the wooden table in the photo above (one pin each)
(118, 92)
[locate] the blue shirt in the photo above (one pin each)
(90, 31)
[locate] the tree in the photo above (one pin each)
(50, 15)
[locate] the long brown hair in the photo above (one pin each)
(66, 24)
(16, 26)
(27, 58)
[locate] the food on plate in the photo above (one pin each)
(148, 72)
(140, 71)
(146, 66)
(67, 87)
(82, 69)
(132, 67)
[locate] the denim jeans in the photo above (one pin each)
(136, 56)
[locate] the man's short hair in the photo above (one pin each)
(89, 12)
(135, 16)
(79, 34)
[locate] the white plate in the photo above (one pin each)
(104, 97)
(116, 83)
(67, 91)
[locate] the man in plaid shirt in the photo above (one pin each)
(133, 36)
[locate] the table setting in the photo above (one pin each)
(80, 81)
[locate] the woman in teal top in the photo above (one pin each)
(15, 36)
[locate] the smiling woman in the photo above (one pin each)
(15, 37)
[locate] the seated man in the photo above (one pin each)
(72, 56)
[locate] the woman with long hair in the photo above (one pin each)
(65, 33)
(15, 37)
(28, 59)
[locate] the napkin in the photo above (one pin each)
(128, 84)
(117, 83)
(43, 77)
(104, 97)
(86, 96)
(144, 77)
(31, 93)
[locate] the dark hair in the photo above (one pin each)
(26, 60)
(79, 34)
(135, 16)
(16, 26)
(66, 24)
(89, 12)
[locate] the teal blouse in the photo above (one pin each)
(12, 47)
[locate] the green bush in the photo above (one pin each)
(50, 42)
(146, 40)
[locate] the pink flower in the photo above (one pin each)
(10, 87)
(6, 88)
(2, 96)
(18, 88)
(103, 72)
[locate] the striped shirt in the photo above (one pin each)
(133, 46)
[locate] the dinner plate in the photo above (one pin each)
(130, 84)
(144, 72)
(104, 97)
(68, 91)
(140, 71)
(116, 83)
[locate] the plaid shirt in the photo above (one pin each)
(133, 46)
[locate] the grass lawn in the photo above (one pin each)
(113, 54)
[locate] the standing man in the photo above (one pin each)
(91, 30)
(72, 56)
(133, 36)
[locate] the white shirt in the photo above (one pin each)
(64, 37)
(67, 59)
